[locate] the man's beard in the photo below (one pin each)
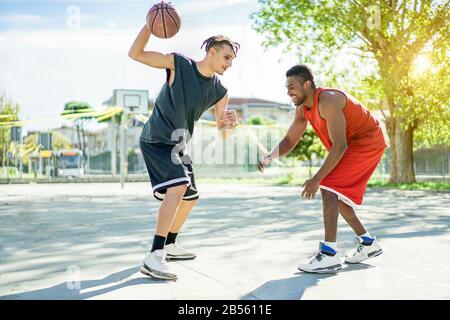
(301, 102)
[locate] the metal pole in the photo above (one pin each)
(4, 160)
(4, 157)
(113, 148)
(20, 156)
(40, 165)
(122, 151)
(16, 158)
(35, 169)
(7, 168)
(88, 165)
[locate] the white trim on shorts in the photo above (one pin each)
(191, 196)
(341, 197)
(171, 182)
(160, 196)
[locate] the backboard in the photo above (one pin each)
(133, 101)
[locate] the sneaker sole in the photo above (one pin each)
(369, 256)
(331, 269)
(170, 257)
(156, 274)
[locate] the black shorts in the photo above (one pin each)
(167, 167)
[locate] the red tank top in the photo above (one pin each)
(362, 128)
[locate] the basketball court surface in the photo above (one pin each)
(86, 241)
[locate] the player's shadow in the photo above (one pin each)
(293, 288)
(69, 291)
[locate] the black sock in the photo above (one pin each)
(158, 243)
(171, 238)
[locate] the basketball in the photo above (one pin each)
(163, 20)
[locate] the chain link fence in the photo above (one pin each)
(234, 157)
(429, 163)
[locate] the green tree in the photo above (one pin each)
(387, 36)
(260, 120)
(9, 111)
(429, 100)
(76, 107)
(308, 147)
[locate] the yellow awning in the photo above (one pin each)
(45, 154)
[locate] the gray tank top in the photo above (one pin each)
(180, 105)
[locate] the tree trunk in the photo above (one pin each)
(80, 142)
(78, 135)
(83, 136)
(402, 163)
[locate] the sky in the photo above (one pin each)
(55, 51)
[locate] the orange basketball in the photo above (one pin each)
(163, 20)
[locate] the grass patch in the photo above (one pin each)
(291, 180)
(234, 180)
(285, 180)
(432, 185)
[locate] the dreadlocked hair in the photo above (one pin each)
(219, 40)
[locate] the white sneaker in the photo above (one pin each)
(175, 252)
(154, 265)
(364, 252)
(321, 263)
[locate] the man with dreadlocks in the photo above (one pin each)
(189, 90)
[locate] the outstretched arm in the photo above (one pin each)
(290, 140)
(151, 58)
(292, 137)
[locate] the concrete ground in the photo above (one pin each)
(85, 241)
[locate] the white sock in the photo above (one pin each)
(332, 245)
(367, 235)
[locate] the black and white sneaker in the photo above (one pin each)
(175, 252)
(364, 250)
(321, 262)
(154, 265)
